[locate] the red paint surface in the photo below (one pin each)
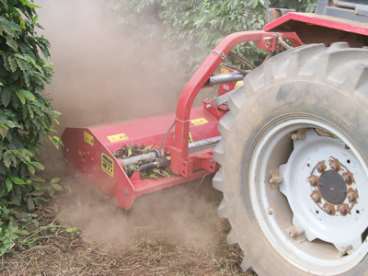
(320, 20)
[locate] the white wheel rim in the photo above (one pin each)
(269, 204)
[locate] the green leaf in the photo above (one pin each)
(29, 4)
(18, 181)
(56, 141)
(25, 95)
(5, 97)
(3, 131)
(9, 28)
(8, 184)
(72, 230)
(12, 64)
(57, 187)
(38, 165)
(12, 44)
(55, 180)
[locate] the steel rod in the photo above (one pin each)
(225, 78)
(153, 155)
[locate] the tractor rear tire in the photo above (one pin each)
(312, 82)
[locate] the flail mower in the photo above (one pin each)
(287, 141)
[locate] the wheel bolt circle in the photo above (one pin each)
(316, 196)
(348, 178)
(321, 167)
(329, 208)
(343, 209)
(313, 180)
(352, 195)
(335, 165)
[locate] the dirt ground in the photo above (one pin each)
(184, 237)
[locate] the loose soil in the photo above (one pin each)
(200, 249)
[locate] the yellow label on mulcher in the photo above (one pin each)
(199, 121)
(107, 164)
(88, 138)
(116, 138)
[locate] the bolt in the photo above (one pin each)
(295, 232)
(298, 135)
(313, 180)
(316, 196)
(344, 209)
(335, 165)
(348, 178)
(321, 166)
(344, 251)
(329, 208)
(352, 195)
(275, 179)
(270, 211)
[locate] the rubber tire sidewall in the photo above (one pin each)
(342, 110)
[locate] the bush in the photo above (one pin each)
(26, 115)
(200, 24)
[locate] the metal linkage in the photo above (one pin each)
(225, 78)
(156, 159)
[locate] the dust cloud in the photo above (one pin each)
(105, 73)
(183, 216)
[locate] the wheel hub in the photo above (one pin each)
(332, 187)
(323, 182)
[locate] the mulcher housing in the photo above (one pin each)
(185, 138)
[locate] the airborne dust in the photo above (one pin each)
(106, 72)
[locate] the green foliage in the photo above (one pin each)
(199, 25)
(26, 115)
(299, 5)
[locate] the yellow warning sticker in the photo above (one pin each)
(199, 121)
(107, 164)
(239, 84)
(116, 138)
(88, 138)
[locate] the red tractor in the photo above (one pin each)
(287, 141)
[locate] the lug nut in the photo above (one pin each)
(275, 179)
(313, 180)
(316, 196)
(352, 195)
(295, 232)
(298, 135)
(335, 165)
(321, 167)
(344, 209)
(348, 178)
(329, 208)
(345, 251)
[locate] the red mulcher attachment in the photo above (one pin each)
(180, 143)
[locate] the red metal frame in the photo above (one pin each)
(328, 22)
(91, 150)
(314, 28)
(182, 163)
